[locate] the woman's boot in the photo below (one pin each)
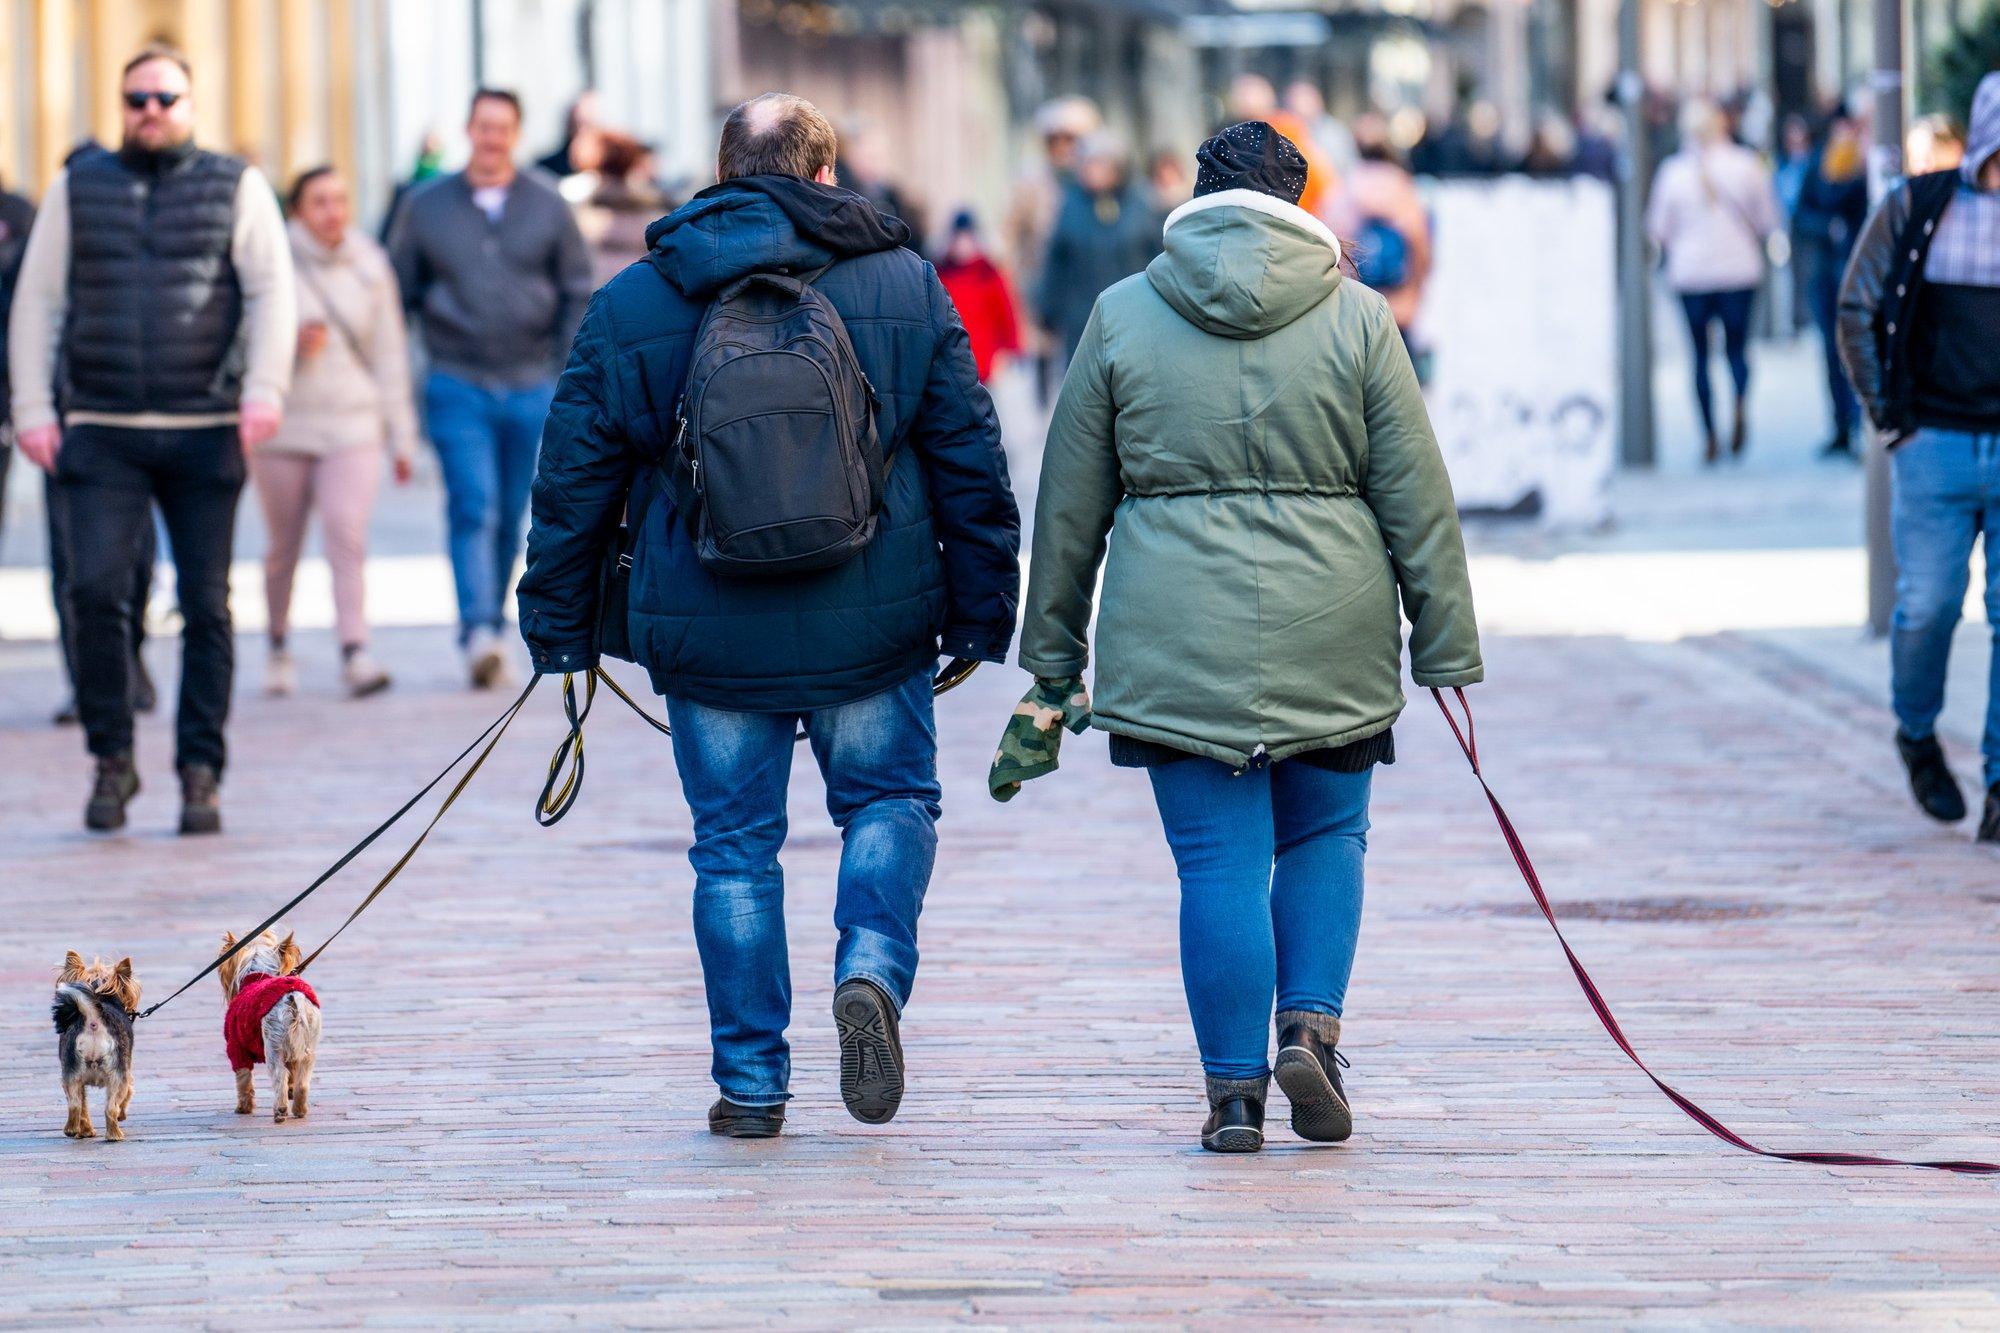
(1308, 1069)
(1235, 1114)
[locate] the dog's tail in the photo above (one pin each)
(291, 1030)
(75, 1006)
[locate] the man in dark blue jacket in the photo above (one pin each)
(850, 652)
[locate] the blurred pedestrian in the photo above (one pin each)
(494, 271)
(1335, 142)
(1794, 163)
(1246, 426)
(1832, 206)
(1935, 143)
(350, 403)
(1713, 212)
(1393, 228)
(1104, 231)
(429, 165)
(983, 297)
(159, 235)
(864, 169)
(1031, 217)
(581, 118)
(1252, 98)
(616, 202)
(1551, 153)
(1167, 179)
(17, 217)
(1598, 131)
(848, 650)
(1919, 319)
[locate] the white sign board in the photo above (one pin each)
(1520, 316)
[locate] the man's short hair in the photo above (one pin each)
(505, 95)
(152, 51)
(775, 135)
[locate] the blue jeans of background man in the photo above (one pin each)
(1270, 870)
(487, 440)
(878, 757)
(1732, 310)
(1947, 493)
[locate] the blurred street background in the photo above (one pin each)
(1686, 709)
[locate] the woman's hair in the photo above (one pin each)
(303, 182)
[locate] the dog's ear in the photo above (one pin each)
(289, 954)
(124, 985)
(72, 968)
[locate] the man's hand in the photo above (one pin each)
(256, 423)
(41, 445)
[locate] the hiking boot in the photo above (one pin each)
(1235, 1114)
(1931, 781)
(733, 1120)
(871, 1051)
(281, 674)
(362, 675)
(201, 799)
(1989, 821)
(117, 783)
(485, 660)
(1308, 1069)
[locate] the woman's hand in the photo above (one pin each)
(403, 469)
(312, 339)
(1032, 743)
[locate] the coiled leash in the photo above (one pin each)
(1469, 743)
(550, 805)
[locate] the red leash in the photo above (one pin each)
(1469, 743)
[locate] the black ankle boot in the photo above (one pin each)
(1308, 1069)
(735, 1121)
(116, 784)
(1989, 822)
(1931, 781)
(201, 799)
(1235, 1114)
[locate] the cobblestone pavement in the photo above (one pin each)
(507, 1126)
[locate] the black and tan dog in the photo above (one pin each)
(94, 1006)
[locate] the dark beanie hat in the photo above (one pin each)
(1251, 156)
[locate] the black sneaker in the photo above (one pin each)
(1931, 781)
(871, 1052)
(201, 799)
(734, 1121)
(1309, 1071)
(1989, 822)
(116, 784)
(1235, 1115)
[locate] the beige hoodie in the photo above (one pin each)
(354, 392)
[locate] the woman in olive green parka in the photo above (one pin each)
(1243, 424)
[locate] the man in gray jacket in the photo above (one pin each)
(496, 275)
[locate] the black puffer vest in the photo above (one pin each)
(155, 318)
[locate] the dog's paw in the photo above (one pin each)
(245, 1108)
(279, 1116)
(113, 1133)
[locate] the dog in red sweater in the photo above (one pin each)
(272, 1019)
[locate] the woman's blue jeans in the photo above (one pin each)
(1270, 869)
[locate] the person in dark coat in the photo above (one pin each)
(1832, 206)
(848, 652)
(1106, 230)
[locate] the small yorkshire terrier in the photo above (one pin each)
(272, 1020)
(94, 1006)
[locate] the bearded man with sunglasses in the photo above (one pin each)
(151, 346)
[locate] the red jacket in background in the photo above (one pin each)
(986, 306)
(243, 1020)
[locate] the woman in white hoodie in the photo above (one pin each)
(1713, 212)
(350, 402)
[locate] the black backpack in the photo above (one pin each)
(777, 440)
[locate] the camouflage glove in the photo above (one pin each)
(1033, 739)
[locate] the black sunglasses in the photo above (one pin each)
(137, 101)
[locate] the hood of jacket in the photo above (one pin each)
(1982, 135)
(1244, 264)
(756, 224)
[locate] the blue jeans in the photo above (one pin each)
(879, 759)
(1947, 492)
(487, 441)
(1732, 310)
(1270, 870)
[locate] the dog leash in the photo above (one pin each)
(550, 806)
(1468, 742)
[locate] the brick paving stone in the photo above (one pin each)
(507, 1126)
